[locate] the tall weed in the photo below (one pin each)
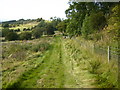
(106, 73)
(42, 46)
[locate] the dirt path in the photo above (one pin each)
(56, 70)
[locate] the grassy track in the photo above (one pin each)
(55, 70)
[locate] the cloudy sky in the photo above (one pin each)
(31, 9)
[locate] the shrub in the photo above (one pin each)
(50, 29)
(37, 32)
(26, 46)
(40, 47)
(106, 73)
(16, 51)
(94, 66)
(5, 31)
(19, 55)
(5, 25)
(25, 36)
(12, 36)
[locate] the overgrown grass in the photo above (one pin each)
(106, 73)
(40, 47)
(79, 62)
(18, 57)
(42, 74)
(49, 66)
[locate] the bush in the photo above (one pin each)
(106, 73)
(50, 29)
(94, 66)
(37, 32)
(40, 47)
(5, 25)
(19, 55)
(5, 31)
(25, 36)
(26, 46)
(12, 36)
(18, 51)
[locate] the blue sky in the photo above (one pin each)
(31, 9)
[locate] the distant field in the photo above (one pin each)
(22, 26)
(29, 25)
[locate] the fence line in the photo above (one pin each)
(110, 52)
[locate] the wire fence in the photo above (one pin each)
(110, 52)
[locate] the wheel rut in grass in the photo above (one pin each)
(48, 73)
(56, 69)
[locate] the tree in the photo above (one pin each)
(12, 36)
(42, 23)
(39, 19)
(25, 36)
(77, 12)
(5, 31)
(5, 25)
(114, 23)
(55, 21)
(97, 20)
(93, 23)
(49, 29)
(62, 26)
(86, 27)
(37, 32)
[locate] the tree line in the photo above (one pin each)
(89, 18)
(43, 28)
(86, 19)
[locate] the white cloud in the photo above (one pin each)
(16, 9)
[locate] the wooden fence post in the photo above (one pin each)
(108, 54)
(93, 48)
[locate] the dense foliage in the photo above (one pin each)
(43, 27)
(37, 32)
(93, 23)
(87, 18)
(25, 36)
(12, 36)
